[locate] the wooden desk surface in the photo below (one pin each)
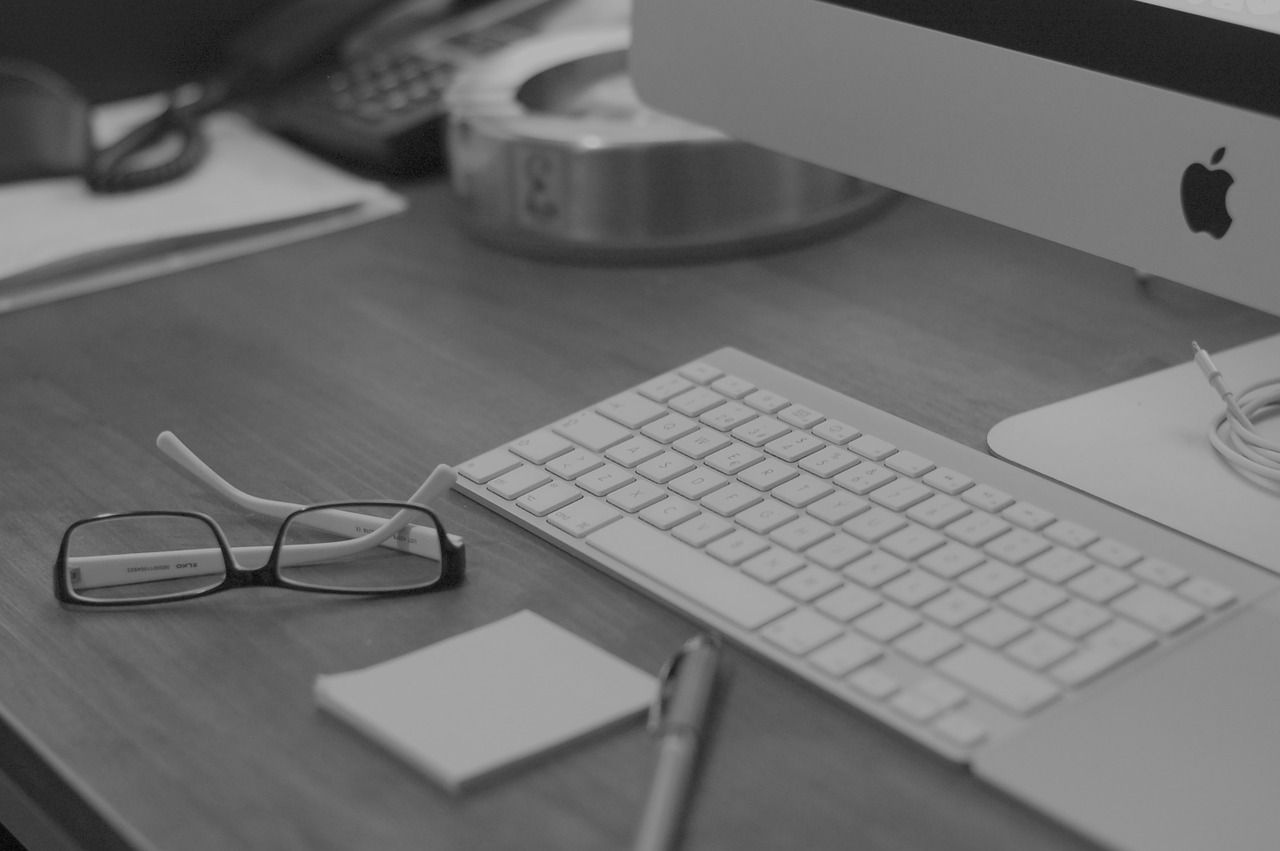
(347, 367)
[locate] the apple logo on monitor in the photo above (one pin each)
(1204, 196)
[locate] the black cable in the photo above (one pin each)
(118, 167)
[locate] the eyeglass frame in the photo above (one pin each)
(235, 575)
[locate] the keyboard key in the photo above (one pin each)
(1004, 682)
(700, 373)
(915, 706)
(1070, 534)
(574, 464)
(1033, 598)
(604, 479)
(766, 401)
(809, 583)
(886, 622)
(733, 458)
(1076, 618)
(847, 653)
(665, 467)
(947, 480)
(987, 498)
(873, 682)
(801, 533)
(874, 524)
(488, 466)
(772, 565)
(927, 643)
(1113, 553)
(913, 588)
(794, 446)
(1101, 583)
(864, 478)
(664, 387)
(765, 516)
(669, 513)
(901, 494)
(836, 432)
(702, 530)
(1028, 516)
(591, 431)
(1157, 609)
(801, 631)
(767, 474)
(1016, 546)
(698, 483)
(997, 627)
(670, 428)
(951, 560)
(540, 447)
(828, 462)
(728, 416)
(632, 452)
(802, 490)
(733, 386)
(519, 482)
(549, 498)
(1058, 565)
(847, 602)
(697, 576)
(961, 728)
(636, 496)
(938, 510)
(911, 542)
(760, 431)
(955, 607)
(875, 569)
(1211, 595)
(991, 579)
(582, 517)
(1159, 572)
(737, 547)
(837, 551)
(977, 528)
(1039, 649)
(701, 443)
(730, 499)
(872, 448)
(630, 410)
(838, 507)
(696, 402)
(909, 464)
(800, 416)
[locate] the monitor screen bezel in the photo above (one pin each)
(1166, 47)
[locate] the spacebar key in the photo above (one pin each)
(698, 577)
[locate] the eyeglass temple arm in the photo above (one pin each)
(345, 523)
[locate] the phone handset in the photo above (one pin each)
(271, 51)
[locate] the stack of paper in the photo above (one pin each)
(466, 707)
(254, 191)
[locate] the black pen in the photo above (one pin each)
(679, 717)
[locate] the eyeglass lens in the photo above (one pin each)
(141, 557)
(409, 558)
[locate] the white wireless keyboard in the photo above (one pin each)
(947, 593)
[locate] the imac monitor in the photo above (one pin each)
(1142, 131)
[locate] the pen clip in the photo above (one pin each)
(667, 679)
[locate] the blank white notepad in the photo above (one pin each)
(465, 707)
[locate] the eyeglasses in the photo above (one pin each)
(366, 547)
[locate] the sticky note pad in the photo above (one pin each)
(468, 706)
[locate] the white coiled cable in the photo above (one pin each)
(1232, 431)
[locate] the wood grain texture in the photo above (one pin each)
(346, 368)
